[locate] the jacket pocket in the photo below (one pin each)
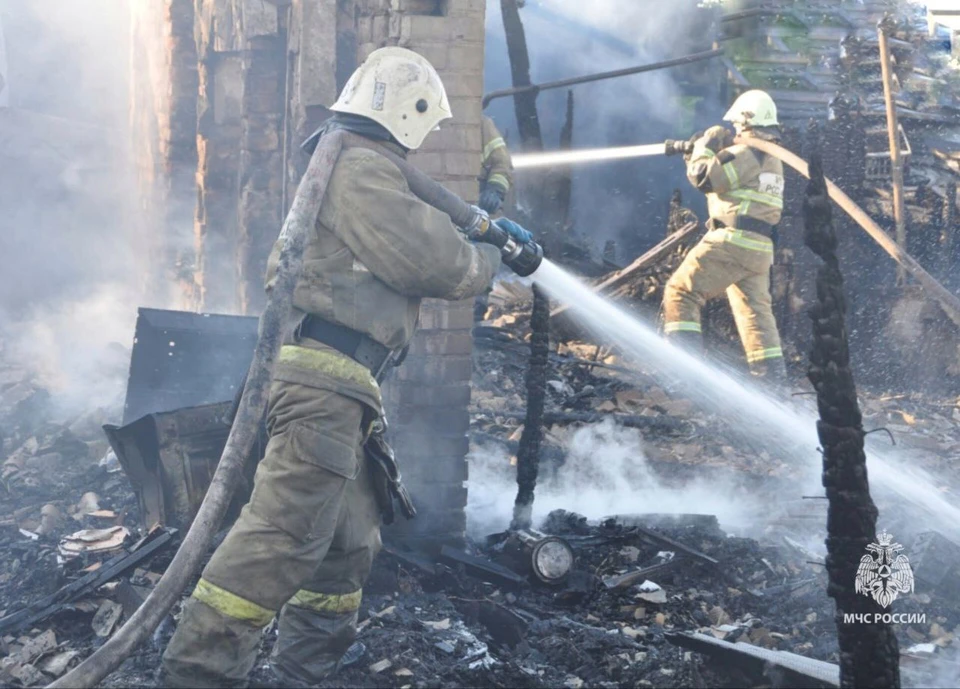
(311, 445)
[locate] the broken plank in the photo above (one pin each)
(637, 576)
(482, 568)
(53, 603)
(647, 259)
(801, 669)
(662, 540)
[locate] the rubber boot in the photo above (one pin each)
(313, 645)
(690, 342)
(772, 374)
(209, 650)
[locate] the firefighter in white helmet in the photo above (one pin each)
(744, 190)
(304, 544)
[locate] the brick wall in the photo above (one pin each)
(264, 73)
(430, 395)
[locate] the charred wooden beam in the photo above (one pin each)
(528, 456)
(868, 652)
(646, 260)
(525, 102)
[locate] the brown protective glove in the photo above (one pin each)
(717, 138)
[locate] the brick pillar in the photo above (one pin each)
(429, 397)
(163, 110)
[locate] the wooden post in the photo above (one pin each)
(893, 130)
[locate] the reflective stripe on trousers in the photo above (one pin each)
(735, 262)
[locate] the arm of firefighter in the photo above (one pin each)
(496, 158)
(712, 167)
(406, 243)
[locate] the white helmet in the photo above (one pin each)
(400, 90)
(753, 109)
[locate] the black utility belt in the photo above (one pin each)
(361, 348)
(744, 223)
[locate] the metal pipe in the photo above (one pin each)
(600, 76)
(893, 132)
(243, 433)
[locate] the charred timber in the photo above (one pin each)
(869, 654)
(525, 104)
(528, 454)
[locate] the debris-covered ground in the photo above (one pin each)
(639, 584)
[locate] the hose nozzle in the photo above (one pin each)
(676, 148)
(521, 258)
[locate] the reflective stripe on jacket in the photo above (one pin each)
(497, 169)
(739, 182)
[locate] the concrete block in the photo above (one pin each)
(466, 57)
(428, 162)
(438, 395)
(443, 342)
(455, 420)
(415, 28)
(435, 469)
(466, 110)
(460, 164)
(436, 53)
(432, 370)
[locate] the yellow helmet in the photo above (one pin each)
(401, 91)
(753, 109)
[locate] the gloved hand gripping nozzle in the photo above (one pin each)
(523, 258)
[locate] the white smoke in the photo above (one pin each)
(605, 473)
(625, 200)
(69, 228)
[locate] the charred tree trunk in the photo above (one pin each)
(528, 454)
(869, 653)
(525, 104)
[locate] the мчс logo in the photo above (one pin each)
(884, 573)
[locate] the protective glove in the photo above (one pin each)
(491, 198)
(514, 230)
(717, 138)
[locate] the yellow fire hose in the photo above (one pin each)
(947, 300)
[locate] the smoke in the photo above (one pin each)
(624, 200)
(605, 473)
(69, 228)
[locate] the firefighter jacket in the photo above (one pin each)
(496, 166)
(377, 250)
(744, 187)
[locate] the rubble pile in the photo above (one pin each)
(65, 510)
(436, 624)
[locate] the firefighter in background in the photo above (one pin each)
(496, 176)
(305, 541)
(744, 190)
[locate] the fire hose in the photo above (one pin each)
(524, 259)
(948, 301)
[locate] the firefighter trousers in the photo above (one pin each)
(738, 262)
(303, 546)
